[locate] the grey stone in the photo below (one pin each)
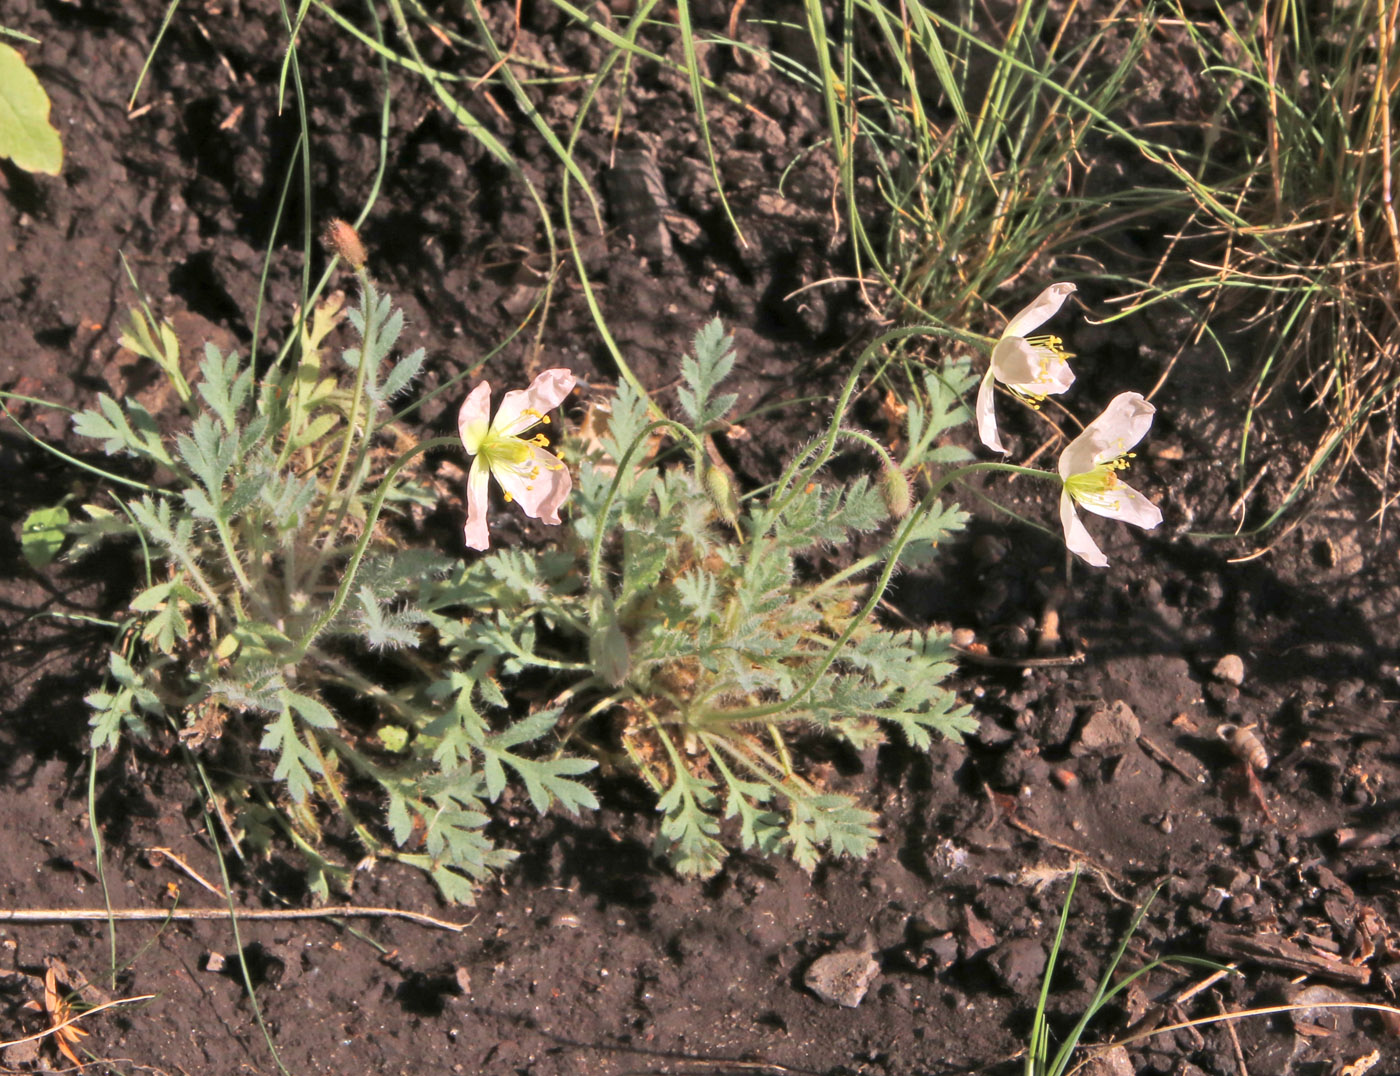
(842, 977)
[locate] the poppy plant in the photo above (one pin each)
(1031, 367)
(1089, 468)
(530, 475)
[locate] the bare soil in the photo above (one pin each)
(589, 956)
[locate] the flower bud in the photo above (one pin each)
(341, 239)
(894, 488)
(720, 489)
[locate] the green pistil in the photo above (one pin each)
(499, 452)
(1095, 485)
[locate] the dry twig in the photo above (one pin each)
(67, 1024)
(63, 915)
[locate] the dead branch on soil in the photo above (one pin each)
(1078, 853)
(1276, 951)
(62, 915)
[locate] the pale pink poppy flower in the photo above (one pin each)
(532, 477)
(1089, 467)
(1031, 367)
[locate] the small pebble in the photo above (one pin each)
(1112, 1062)
(1213, 898)
(214, 962)
(1320, 1010)
(1108, 732)
(1064, 778)
(842, 977)
(1230, 668)
(19, 1054)
(1018, 964)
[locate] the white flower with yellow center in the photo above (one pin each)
(1090, 466)
(529, 474)
(1031, 367)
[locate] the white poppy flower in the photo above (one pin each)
(531, 476)
(1031, 367)
(1089, 467)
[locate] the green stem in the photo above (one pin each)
(795, 476)
(896, 547)
(356, 394)
(372, 517)
(596, 552)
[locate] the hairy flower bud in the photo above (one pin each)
(720, 489)
(341, 239)
(894, 488)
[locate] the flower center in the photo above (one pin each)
(1097, 486)
(502, 452)
(1049, 352)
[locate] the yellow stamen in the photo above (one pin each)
(1094, 486)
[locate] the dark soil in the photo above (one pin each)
(589, 956)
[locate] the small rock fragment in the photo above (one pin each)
(940, 952)
(1213, 898)
(19, 1054)
(932, 917)
(1322, 1010)
(1064, 778)
(1108, 732)
(842, 977)
(1018, 964)
(1230, 669)
(214, 963)
(1112, 1062)
(978, 934)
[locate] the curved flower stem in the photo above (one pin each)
(596, 552)
(794, 478)
(372, 844)
(871, 443)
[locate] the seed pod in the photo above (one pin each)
(340, 238)
(1244, 745)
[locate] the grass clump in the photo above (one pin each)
(1306, 248)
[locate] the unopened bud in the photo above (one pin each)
(894, 488)
(342, 239)
(720, 489)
